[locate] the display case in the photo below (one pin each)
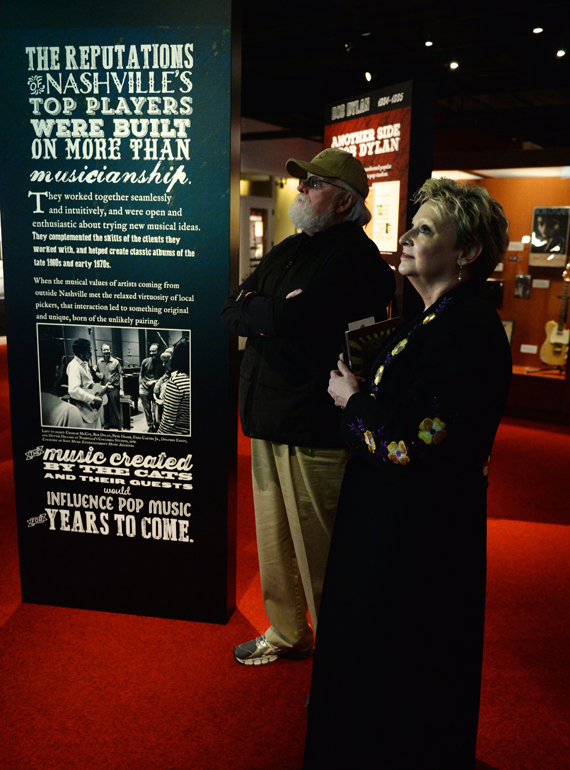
(534, 303)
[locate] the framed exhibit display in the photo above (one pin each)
(549, 239)
(119, 202)
(523, 282)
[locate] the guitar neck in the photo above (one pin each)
(563, 307)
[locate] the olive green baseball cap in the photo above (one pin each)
(333, 163)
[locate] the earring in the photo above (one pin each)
(460, 269)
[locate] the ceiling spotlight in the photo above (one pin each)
(453, 65)
(560, 53)
(428, 43)
(368, 76)
(538, 30)
(365, 34)
(348, 47)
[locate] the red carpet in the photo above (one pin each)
(96, 691)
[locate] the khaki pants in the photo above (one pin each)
(295, 492)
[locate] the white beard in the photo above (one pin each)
(304, 218)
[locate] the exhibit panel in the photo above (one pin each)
(391, 132)
(119, 204)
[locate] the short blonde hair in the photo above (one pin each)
(476, 218)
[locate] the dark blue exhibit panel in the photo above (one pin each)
(116, 203)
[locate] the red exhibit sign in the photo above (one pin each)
(391, 132)
(376, 129)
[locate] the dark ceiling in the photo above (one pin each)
(510, 88)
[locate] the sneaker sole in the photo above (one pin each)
(293, 655)
(259, 661)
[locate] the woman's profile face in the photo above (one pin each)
(428, 248)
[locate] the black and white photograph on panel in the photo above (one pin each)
(115, 378)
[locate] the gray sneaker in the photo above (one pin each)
(259, 651)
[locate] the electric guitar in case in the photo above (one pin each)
(554, 350)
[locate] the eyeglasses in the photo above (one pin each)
(316, 183)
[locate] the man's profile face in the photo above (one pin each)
(153, 351)
(319, 199)
(313, 209)
(85, 354)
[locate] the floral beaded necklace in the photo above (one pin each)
(390, 357)
(431, 431)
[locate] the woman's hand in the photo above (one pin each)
(343, 384)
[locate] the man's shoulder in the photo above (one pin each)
(347, 235)
(352, 231)
(291, 241)
(60, 413)
(348, 244)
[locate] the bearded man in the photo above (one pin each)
(151, 371)
(294, 310)
(111, 373)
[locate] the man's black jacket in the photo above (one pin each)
(294, 343)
